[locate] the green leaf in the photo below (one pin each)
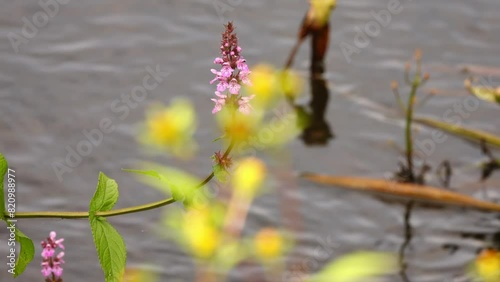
(151, 173)
(110, 248)
(220, 173)
(26, 253)
(3, 170)
(475, 135)
(105, 196)
(486, 93)
(358, 266)
(171, 181)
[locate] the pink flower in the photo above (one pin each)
(51, 266)
(233, 73)
(226, 71)
(244, 105)
(243, 75)
(219, 102)
(241, 64)
(222, 86)
(234, 87)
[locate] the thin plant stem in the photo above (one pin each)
(409, 119)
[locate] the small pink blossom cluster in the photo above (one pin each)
(233, 73)
(51, 264)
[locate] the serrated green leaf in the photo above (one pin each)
(3, 170)
(105, 196)
(110, 248)
(26, 253)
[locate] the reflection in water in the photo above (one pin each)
(408, 234)
(316, 130)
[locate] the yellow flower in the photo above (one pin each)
(269, 244)
(269, 84)
(201, 235)
(171, 128)
(291, 83)
(487, 266)
(139, 275)
(320, 10)
(263, 84)
(248, 177)
(237, 126)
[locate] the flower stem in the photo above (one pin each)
(409, 119)
(134, 209)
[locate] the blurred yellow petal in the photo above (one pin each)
(269, 244)
(238, 126)
(264, 85)
(248, 177)
(200, 233)
(139, 275)
(291, 83)
(486, 267)
(171, 128)
(320, 10)
(358, 267)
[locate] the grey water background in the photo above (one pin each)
(64, 79)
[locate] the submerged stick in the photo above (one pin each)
(405, 190)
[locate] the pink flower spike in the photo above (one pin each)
(218, 61)
(244, 105)
(50, 264)
(234, 87)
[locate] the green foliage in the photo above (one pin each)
(27, 249)
(486, 93)
(110, 249)
(105, 196)
(181, 185)
(26, 253)
(220, 173)
(358, 266)
(109, 244)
